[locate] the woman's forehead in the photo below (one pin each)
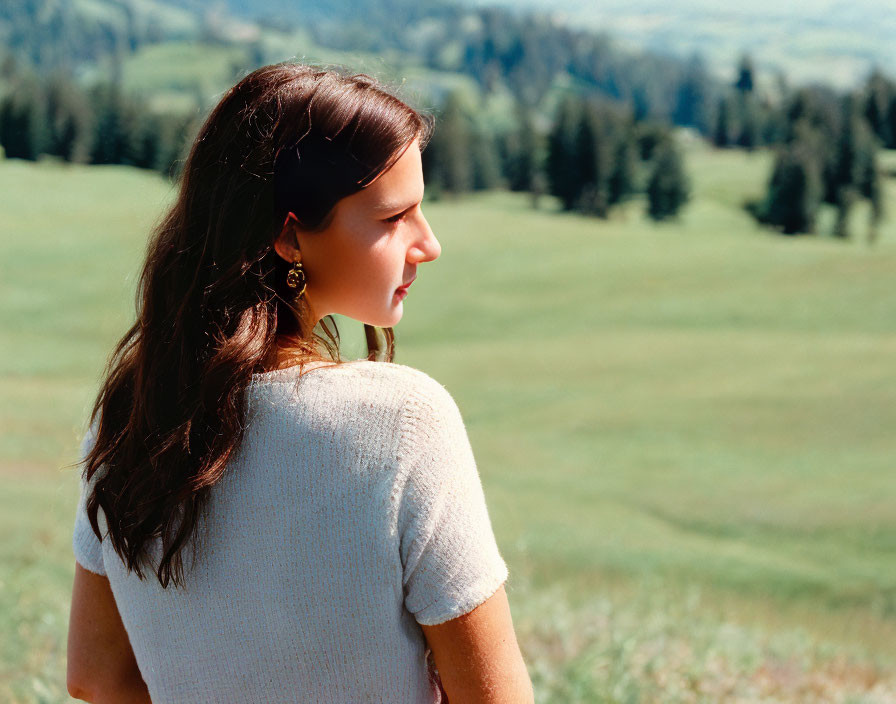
(399, 187)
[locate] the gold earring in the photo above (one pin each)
(296, 278)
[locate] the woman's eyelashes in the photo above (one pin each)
(402, 215)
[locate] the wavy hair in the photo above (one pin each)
(212, 303)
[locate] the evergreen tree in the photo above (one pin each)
(520, 149)
(795, 189)
(176, 134)
(593, 164)
(69, 120)
(746, 80)
(668, 186)
(448, 164)
(562, 163)
(750, 128)
(880, 94)
(854, 173)
(846, 198)
(147, 143)
(485, 162)
(115, 126)
(890, 121)
(693, 99)
(623, 174)
(725, 129)
(23, 133)
(648, 135)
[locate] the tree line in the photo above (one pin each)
(826, 152)
(589, 123)
(591, 158)
(51, 115)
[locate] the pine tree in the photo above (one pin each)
(746, 75)
(668, 186)
(854, 173)
(23, 133)
(562, 163)
(147, 143)
(693, 99)
(880, 93)
(453, 146)
(115, 127)
(725, 127)
(623, 175)
(750, 128)
(485, 162)
(176, 134)
(795, 189)
(69, 120)
(521, 149)
(593, 162)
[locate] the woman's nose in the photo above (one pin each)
(428, 245)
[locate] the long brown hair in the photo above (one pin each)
(212, 303)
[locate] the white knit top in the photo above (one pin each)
(352, 512)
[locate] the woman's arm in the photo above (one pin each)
(478, 657)
(101, 664)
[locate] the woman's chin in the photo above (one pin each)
(383, 320)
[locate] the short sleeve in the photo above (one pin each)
(450, 559)
(87, 547)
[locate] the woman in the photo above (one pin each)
(260, 520)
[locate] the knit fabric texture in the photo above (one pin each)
(352, 513)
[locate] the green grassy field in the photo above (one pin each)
(684, 431)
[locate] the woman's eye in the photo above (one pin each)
(395, 218)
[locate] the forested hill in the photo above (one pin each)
(52, 34)
(527, 55)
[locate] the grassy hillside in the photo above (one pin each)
(684, 431)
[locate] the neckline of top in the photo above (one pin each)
(289, 373)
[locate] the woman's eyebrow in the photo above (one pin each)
(395, 207)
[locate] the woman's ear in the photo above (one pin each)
(287, 242)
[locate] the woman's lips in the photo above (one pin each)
(402, 291)
(405, 287)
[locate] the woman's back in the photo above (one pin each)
(351, 513)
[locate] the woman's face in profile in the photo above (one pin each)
(372, 246)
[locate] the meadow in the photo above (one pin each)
(684, 431)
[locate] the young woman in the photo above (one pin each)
(261, 521)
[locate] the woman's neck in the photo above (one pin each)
(285, 354)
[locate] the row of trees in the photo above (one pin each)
(501, 49)
(746, 117)
(828, 155)
(825, 143)
(597, 156)
(100, 125)
(592, 157)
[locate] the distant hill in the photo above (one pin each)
(183, 52)
(836, 42)
(53, 34)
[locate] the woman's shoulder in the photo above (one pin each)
(418, 382)
(358, 376)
